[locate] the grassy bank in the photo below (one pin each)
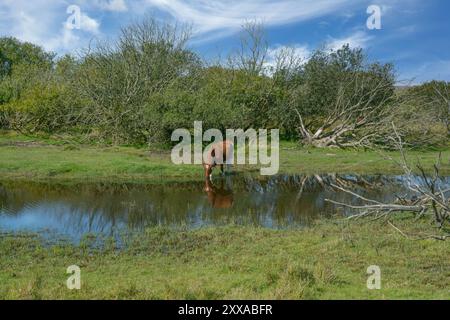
(28, 158)
(328, 260)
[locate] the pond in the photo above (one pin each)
(282, 201)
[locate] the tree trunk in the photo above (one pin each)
(320, 142)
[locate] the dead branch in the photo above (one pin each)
(429, 197)
(359, 104)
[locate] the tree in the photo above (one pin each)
(19, 62)
(235, 99)
(253, 46)
(13, 52)
(22, 65)
(342, 99)
(123, 78)
(436, 99)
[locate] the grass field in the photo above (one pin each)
(327, 261)
(25, 158)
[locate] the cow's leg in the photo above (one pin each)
(221, 169)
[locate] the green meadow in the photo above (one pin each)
(51, 159)
(326, 261)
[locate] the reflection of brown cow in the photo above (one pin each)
(219, 154)
(218, 197)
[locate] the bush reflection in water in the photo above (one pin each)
(276, 202)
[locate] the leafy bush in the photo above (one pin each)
(147, 83)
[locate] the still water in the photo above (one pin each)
(109, 209)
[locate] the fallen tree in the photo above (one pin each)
(430, 197)
(355, 117)
(340, 99)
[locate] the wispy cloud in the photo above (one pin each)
(112, 5)
(359, 39)
(213, 19)
(406, 26)
(431, 70)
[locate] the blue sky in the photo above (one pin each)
(414, 34)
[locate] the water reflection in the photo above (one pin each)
(276, 202)
(219, 197)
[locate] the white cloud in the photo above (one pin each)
(65, 39)
(112, 5)
(16, 19)
(43, 22)
(88, 24)
(281, 55)
(217, 18)
(359, 39)
(298, 50)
